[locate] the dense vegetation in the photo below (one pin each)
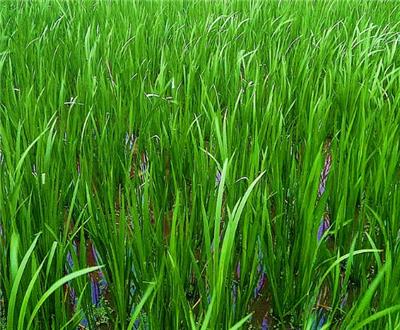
(200, 165)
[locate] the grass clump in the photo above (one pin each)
(199, 165)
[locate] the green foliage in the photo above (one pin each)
(116, 117)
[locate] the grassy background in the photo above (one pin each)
(116, 118)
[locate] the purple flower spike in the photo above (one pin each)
(324, 175)
(136, 324)
(321, 322)
(324, 226)
(218, 177)
(73, 297)
(260, 285)
(238, 270)
(84, 323)
(264, 324)
(70, 260)
(95, 292)
(344, 301)
(130, 140)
